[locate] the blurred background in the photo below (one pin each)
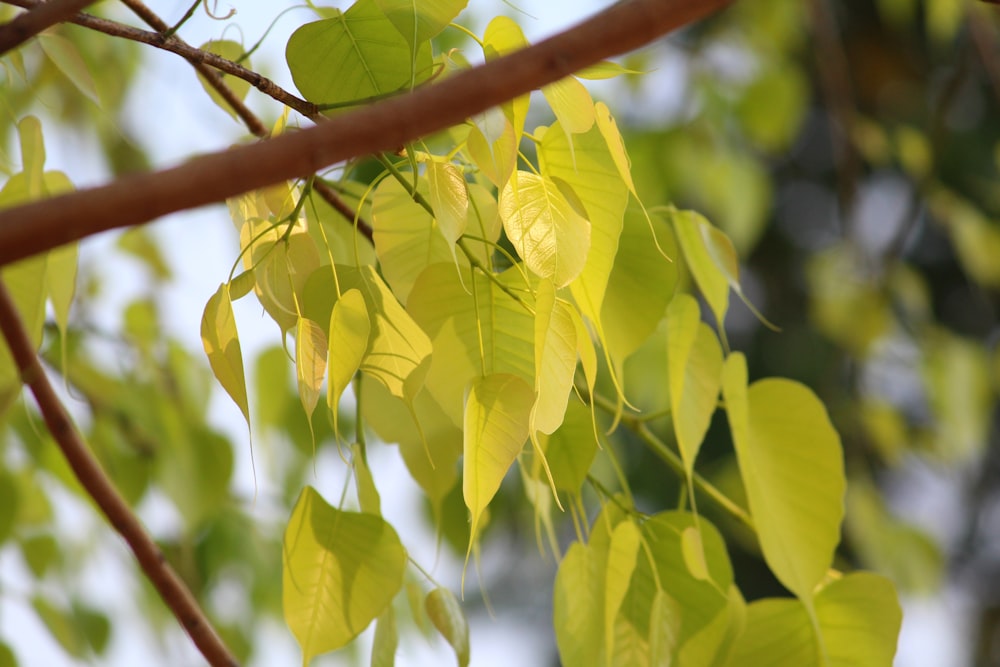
(851, 151)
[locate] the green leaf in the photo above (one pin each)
(792, 467)
(350, 334)
(354, 56)
(281, 267)
(449, 197)
(407, 238)
(310, 362)
(29, 131)
(578, 606)
(386, 639)
(40, 553)
(571, 449)
(503, 36)
(860, 618)
(419, 20)
(710, 257)
(555, 358)
(548, 233)
(622, 551)
(368, 497)
(62, 626)
(640, 286)
(778, 633)
(447, 616)
(496, 427)
(695, 366)
(496, 159)
(608, 128)
(67, 59)
(571, 103)
(222, 345)
(7, 657)
(582, 162)
(606, 69)
(229, 50)
(340, 571)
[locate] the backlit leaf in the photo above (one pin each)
(778, 634)
(229, 50)
(419, 20)
(67, 59)
(571, 103)
(548, 233)
(555, 359)
(695, 366)
(859, 617)
(571, 449)
(621, 562)
(386, 639)
(503, 36)
(354, 56)
(310, 362)
(368, 497)
(496, 428)
(449, 197)
(341, 570)
(578, 606)
(711, 270)
(496, 159)
(447, 616)
(222, 345)
(608, 128)
(350, 331)
(785, 445)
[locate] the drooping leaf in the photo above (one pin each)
(695, 368)
(546, 230)
(368, 497)
(608, 128)
(496, 159)
(386, 639)
(571, 103)
(778, 634)
(29, 132)
(620, 564)
(350, 332)
(447, 616)
(495, 429)
(354, 56)
(449, 197)
(555, 359)
(229, 50)
(340, 571)
(222, 345)
(578, 606)
(419, 20)
(571, 449)
(860, 618)
(503, 36)
(785, 444)
(711, 270)
(310, 362)
(407, 237)
(67, 59)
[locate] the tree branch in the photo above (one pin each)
(136, 199)
(90, 475)
(176, 45)
(25, 26)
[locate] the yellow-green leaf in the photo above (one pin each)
(310, 362)
(503, 36)
(578, 606)
(694, 361)
(341, 570)
(449, 197)
(447, 616)
(697, 237)
(622, 553)
(29, 131)
(496, 159)
(571, 449)
(496, 427)
(222, 345)
(608, 128)
(778, 633)
(555, 358)
(350, 331)
(386, 639)
(229, 50)
(419, 20)
(368, 497)
(571, 103)
(407, 239)
(859, 617)
(785, 445)
(548, 233)
(67, 59)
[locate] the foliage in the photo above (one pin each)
(541, 322)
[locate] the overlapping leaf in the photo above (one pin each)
(447, 616)
(222, 345)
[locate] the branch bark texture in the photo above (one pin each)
(25, 26)
(91, 476)
(387, 125)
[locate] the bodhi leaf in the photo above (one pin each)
(406, 237)
(68, 60)
(496, 427)
(546, 230)
(354, 56)
(229, 50)
(578, 605)
(503, 36)
(694, 234)
(571, 103)
(694, 361)
(571, 449)
(785, 444)
(778, 633)
(310, 362)
(386, 639)
(350, 330)
(555, 359)
(622, 553)
(449, 197)
(419, 20)
(447, 616)
(222, 345)
(368, 497)
(496, 159)
(340, 571)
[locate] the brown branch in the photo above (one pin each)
(132, 200)
(28, 24)
(193, 55)
(90, 475)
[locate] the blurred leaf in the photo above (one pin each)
(449, 618)
(222, 345)
(386, 639)
(233, 51)
(66, 57)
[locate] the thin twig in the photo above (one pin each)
(90, 475)
(25, 26)
(193, 55)
(32, 228)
